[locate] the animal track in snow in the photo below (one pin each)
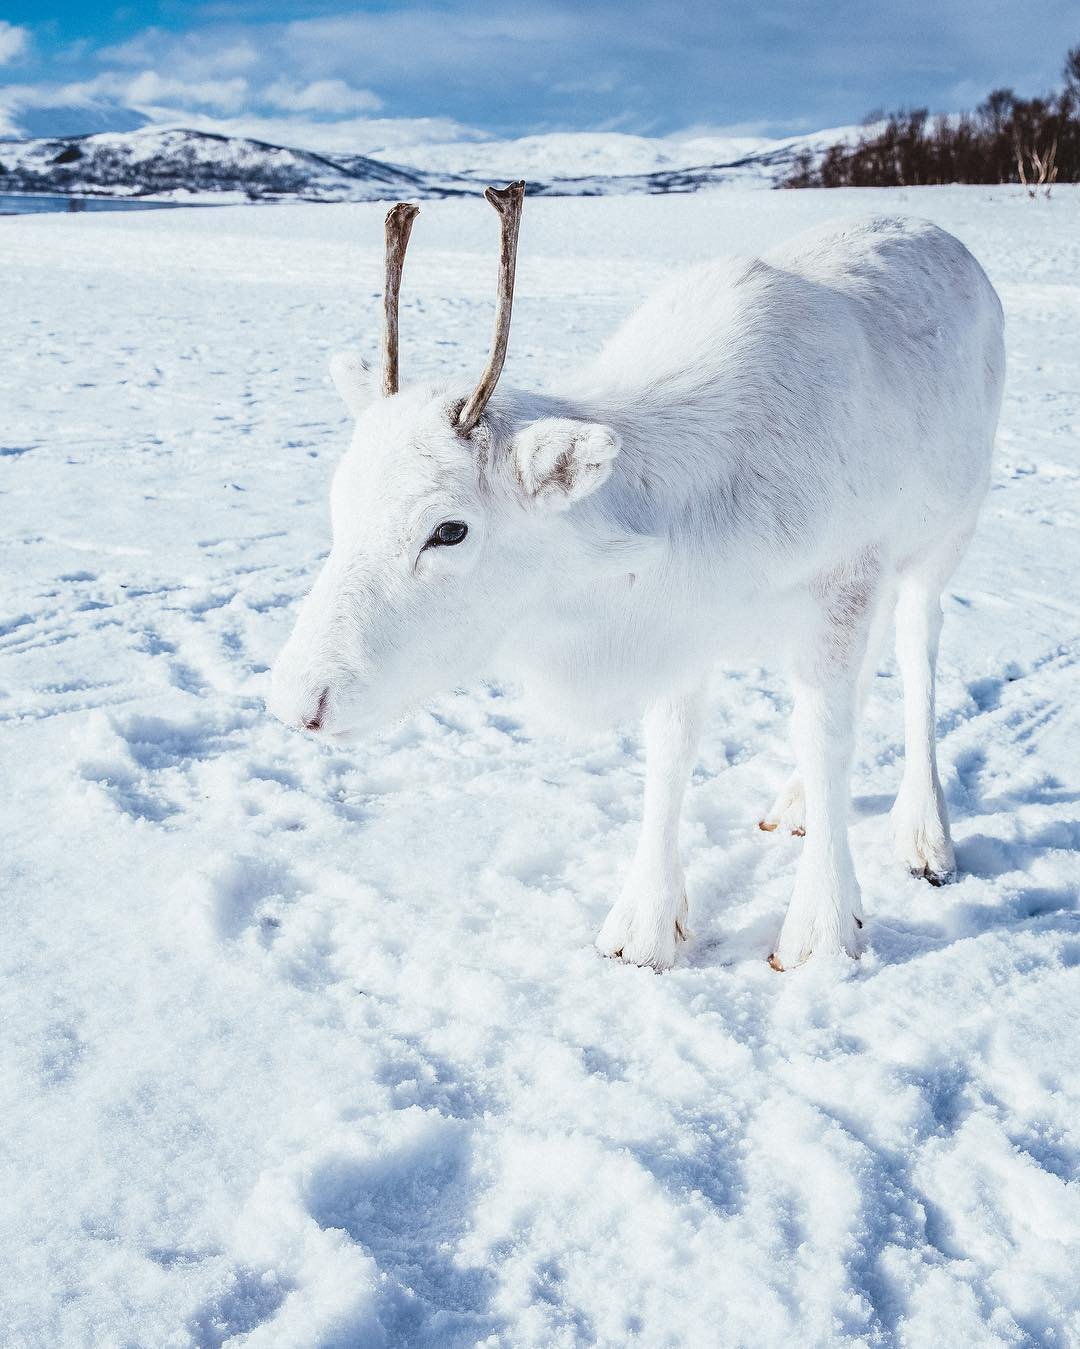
(249, 892)
(248, 1299)
(407, 1206)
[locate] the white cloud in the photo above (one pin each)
(240, 55)
(13, 41)
(150, 87)
(393, 49)
(379, 137)
(186, 55)
(118, 89)
(334, 97)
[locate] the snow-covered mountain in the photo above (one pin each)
(576, 155)
(181, 164)
(573, 154)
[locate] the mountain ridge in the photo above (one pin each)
(184, 164)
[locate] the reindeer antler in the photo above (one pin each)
(507, 201)
(399, 223)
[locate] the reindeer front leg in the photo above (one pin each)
(825, 913)
(650, 915)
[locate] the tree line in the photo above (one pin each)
(1032, 141)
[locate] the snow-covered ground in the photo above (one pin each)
(311, 1048)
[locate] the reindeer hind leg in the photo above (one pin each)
(788, 811)
(920, 818)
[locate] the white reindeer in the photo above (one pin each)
(772, 455)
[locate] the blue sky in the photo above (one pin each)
(454, 66)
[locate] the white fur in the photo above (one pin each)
(766, 458)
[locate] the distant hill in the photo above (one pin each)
(180, 164)
(579, 155)
(183, 165)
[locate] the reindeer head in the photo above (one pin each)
(452, 519)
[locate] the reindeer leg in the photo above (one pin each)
(825, 913)
(920, 817)
(788, 812)
(650, 915)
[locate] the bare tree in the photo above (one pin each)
(1031, 141)
(1042, 166)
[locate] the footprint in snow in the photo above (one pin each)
(249, 892)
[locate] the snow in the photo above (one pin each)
(430, 145)
(305, 1047)
(573, 154)
(556, 156)
(187, 166)
(191, 167)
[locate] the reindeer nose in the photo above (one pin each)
(304, 709)
(315, 721)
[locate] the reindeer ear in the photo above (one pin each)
(559, 461)
(354, 380)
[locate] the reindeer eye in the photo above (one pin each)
(447, 534)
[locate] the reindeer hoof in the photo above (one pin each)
(788, 811)
(935, 878)
(641, 943)
(774, 964)
(769, 826)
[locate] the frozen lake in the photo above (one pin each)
(34, 203)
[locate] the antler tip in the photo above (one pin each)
(403, 211)
(511, 195)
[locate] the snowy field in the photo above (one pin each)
(311, 1048)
